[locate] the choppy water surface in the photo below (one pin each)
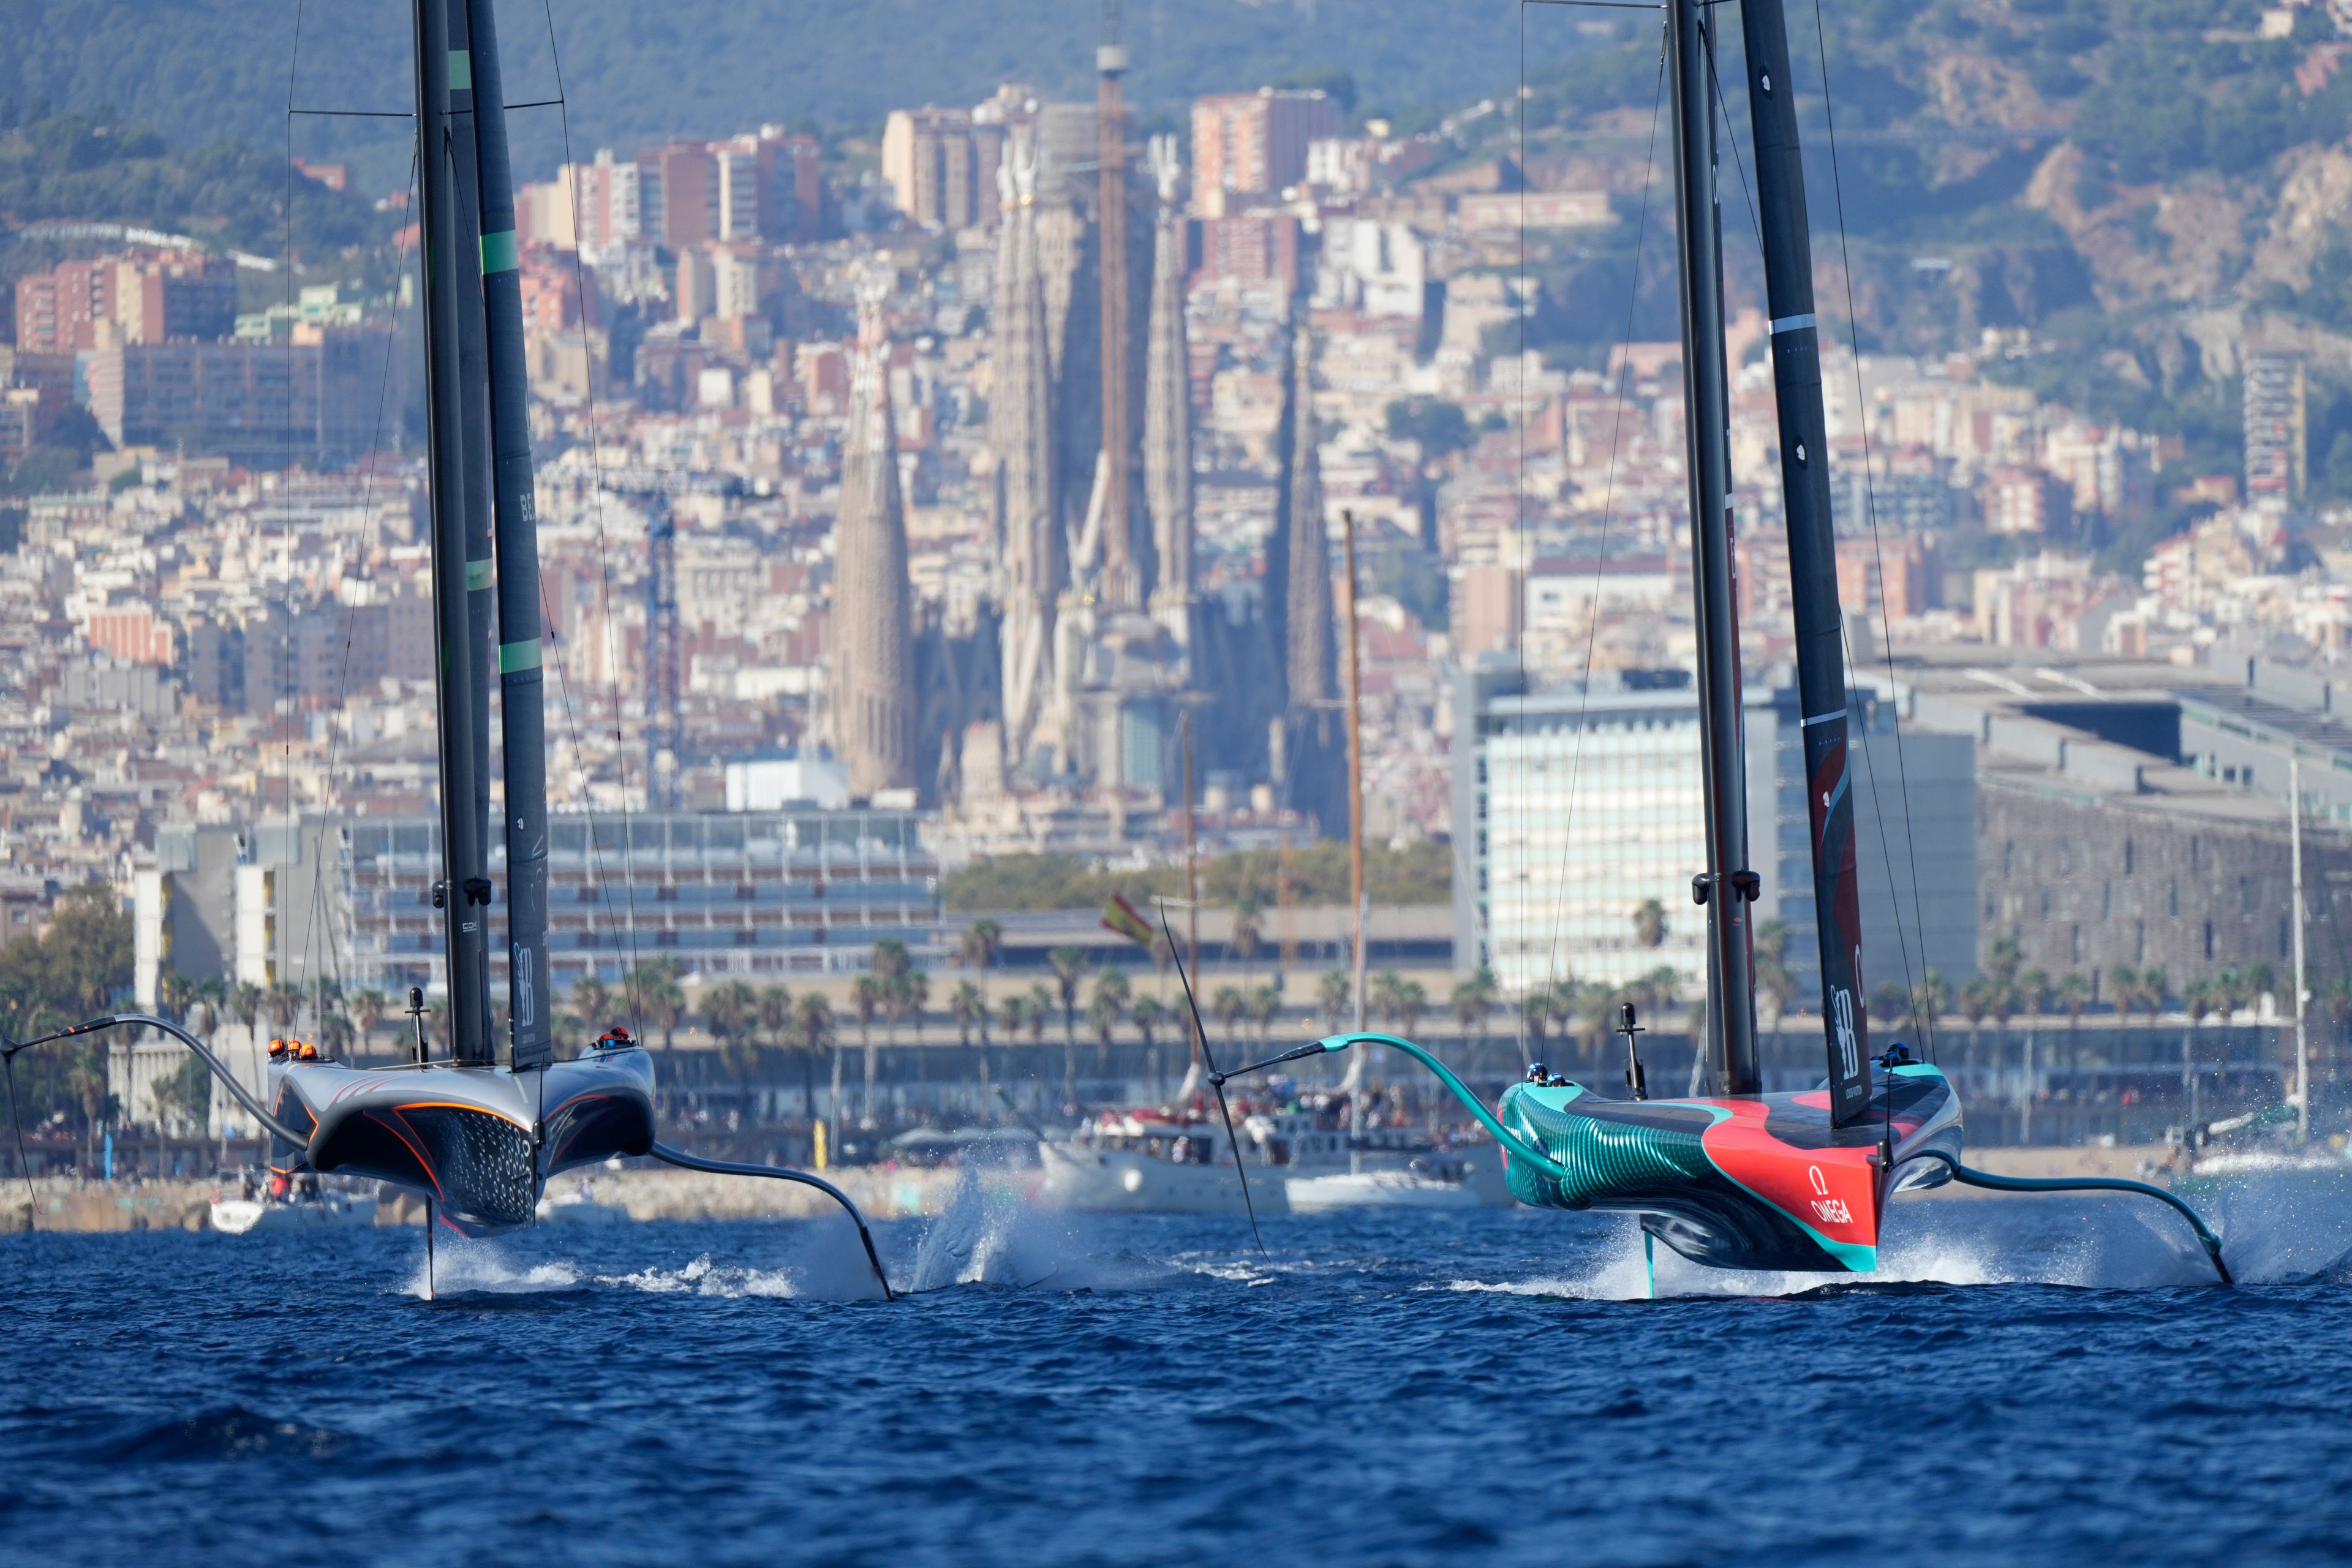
(2039, 1380)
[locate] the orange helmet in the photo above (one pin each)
(306, 1051)
(277, 1047)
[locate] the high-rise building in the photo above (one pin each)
(2276, 455)
(791, 188)
(607, 211)
(736, 162)
(931, 161)
(677, 194)
(871, 631)
(1168, 409)
(321, 397)
(1255, 144)
(183, 297)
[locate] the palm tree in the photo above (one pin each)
(1228, 1004)
(1539, 1007)
(731, 1012)
(1412, 1002)
(1334, 994)
(335, 1033)
(1890, 1005)
(1473, 1000)
(865, 1000)
(1112, 993)
(368, 1006)
(1265, 1002)
(1387, 996)
(177, 993)
(966, 1003)
(775, 1012)
(2122, 990)
(2073, 994)
(813, 1032)
(1146, 1015)
(909, 993)
(1650, 924)
(283, 1003)
(591, 1001)
(1775, 981)
(660, 999)
(245, 1004)
(1013, 1012)
(1976, 1001)
(977, 946)
(1039, 1008)
(1248, 938)
(1069, 966)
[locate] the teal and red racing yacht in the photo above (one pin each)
(1735, 1177)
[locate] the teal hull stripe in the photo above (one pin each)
(498, 252)
(477, 574)
(461, 71)
(514, 656)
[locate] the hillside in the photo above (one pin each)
(2146, 186)
(203, 69)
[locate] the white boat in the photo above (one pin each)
(1147, 1162)
(1473, 1180)
(237, 1217)
(579, 1206)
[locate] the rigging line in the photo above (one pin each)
(1608, 505)
(1877, 802)
(354, 113)
(286, 483)
(1519, 500)
(629, 988)
(344, 679)
(1869, 506)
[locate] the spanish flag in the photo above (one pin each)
(1120, 916)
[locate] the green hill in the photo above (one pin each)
(203, 69)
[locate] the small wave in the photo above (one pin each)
(479, 1268)
(231, 1432)
(703, 1278)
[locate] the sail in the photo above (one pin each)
(1813, 552)
(1730, 887)
(522, 680)
(465, 887)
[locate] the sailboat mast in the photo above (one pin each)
(522, 685)
(472, 394)
(1813, 552)
(464, 890)
(1729, 887)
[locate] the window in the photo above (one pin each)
(2209, 940)
(2075, 944)
(2128, 856)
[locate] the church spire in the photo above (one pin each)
(1167, 409)
(1021, 420)
(871, 633)
(1307, 586)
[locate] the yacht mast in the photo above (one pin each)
(1813, 552)
(1729, 889)
(464, 892)
(522, 684)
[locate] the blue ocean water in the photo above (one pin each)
(2037, 1381)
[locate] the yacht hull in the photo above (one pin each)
(477, 1143)
(1083, 1179)
(1744, 1180)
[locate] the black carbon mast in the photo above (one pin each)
(464, 891)
(1812, 551)
(522, 705)
(1728, 888)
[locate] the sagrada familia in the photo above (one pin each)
(1066, 702)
